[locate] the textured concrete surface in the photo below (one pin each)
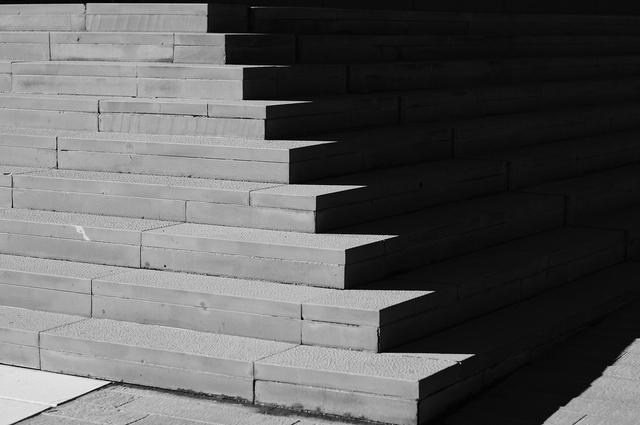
(574, 384)
(83, 220)
(125, 405)
(162, 339)
(590, 379)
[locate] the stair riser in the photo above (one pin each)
(385, 338)
(209, 207)
(72, 250)
(98, 17)
(62, 120)
(44, 299)
(363, 49)
(147, 47)
(196, 318)
(276, 172)
(173, 378)
(6, 200)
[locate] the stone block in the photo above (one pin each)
(343, 403)
(224, 322)
(24, 45)
(41, 17)
(105, 46)
(66, 236)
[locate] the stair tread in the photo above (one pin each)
(165, 139)
(81, 220)
(306, 365)
(44, 266)
(20, 319)
(155, 180)
(272, 237)
(170, 339)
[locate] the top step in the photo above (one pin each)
(104, 17)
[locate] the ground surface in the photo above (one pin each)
(592, 379)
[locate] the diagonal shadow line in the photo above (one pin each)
(592, 378)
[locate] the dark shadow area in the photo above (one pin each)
(593, 377)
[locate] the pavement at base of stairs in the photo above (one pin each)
(26, 392)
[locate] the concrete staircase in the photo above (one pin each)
(365, 213)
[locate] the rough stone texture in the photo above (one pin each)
(339, 249)
(44, 266)
(83, 220)
(170, 339)
(245, 292)
(393, 374)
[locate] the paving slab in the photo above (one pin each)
(41, 387)
(14, 410)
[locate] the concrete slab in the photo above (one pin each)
(389, 374)
(41, 387)
(14, 411)
(161, 346)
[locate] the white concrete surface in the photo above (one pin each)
(26, 392)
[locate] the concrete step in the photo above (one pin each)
(76, 237)
(595, 193)
(493, 133)
(325, 20)
(318, 207)
(168, 80)
(334, 48)
(417, 382)
(373, 317)
(359, 254)
(258, 119)
(459, 103)
(531, 165)
(272, 119)
(408, 386)
(177, 47)
(104, 17)
(442, 232)
(7, 172)
(257, 309)
(626, 220)
(55, 286)
(154, 17)
(480, 6)
(20, 330)
(312, 259)
(457, 290)
(280, 161)
(42, 17)
(386, 76)
(407, 241)
(173, 358)
(28, 148)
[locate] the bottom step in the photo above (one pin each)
(409, 386)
